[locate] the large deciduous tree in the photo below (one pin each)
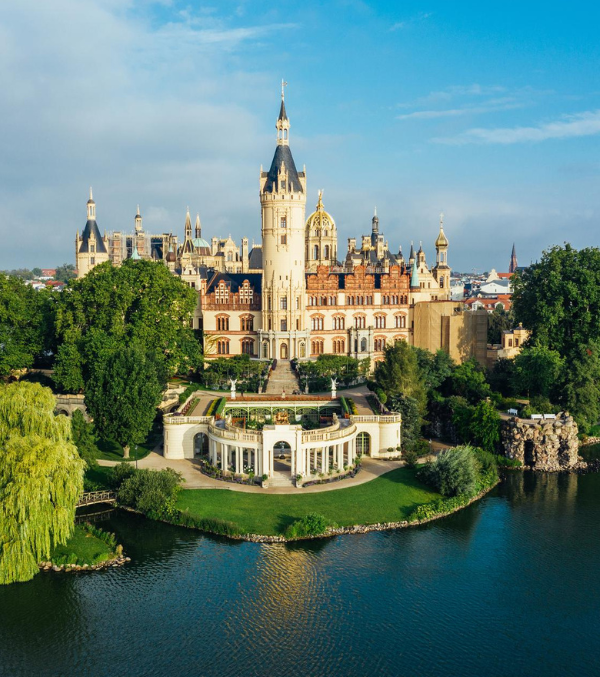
(41, 478)
(122, 393)
(558, 298)
(22, 324)
(138, 302)
(537, 370)
(399, 374)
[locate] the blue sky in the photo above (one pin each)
(489, 112)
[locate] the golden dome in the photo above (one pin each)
(442, 240)
(320, 220)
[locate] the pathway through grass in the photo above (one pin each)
(389, 498)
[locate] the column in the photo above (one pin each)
(237, 460)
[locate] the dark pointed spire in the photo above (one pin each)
(512, 268)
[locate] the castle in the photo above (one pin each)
(292, 297)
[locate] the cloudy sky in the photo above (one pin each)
(487, 111)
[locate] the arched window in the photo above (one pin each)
(400, 321)
(265, 350)
(339, 322)
(248, 347)
(316, 323)
(339, 346)
(363, 443)
(363, 345)
(302, 349)
(359, 321)
(316, 346)
(326, 256)
(247, 322)
(380, 321)
(223, 323)
(223, 347)
(316, 252)
(379, 344)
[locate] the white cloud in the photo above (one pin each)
(569, 126)
(491, 106)
(422, 16)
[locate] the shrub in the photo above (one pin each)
(454, 472)
(312, 524)
(213, 525)
(151, 492)
(119, 474)
(411, 458)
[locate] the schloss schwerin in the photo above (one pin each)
(292, 297)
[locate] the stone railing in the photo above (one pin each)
(234, 434)
(172, 419)
(390, 418)
(326, 434)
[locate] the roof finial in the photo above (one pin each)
(375, 212)
(91, 196)
(441, 219)
(283, 84)
(138, 210)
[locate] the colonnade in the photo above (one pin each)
(304, 461)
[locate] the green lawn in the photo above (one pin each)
(82, 548)
(389, 498)
(111, 451)
(99, 476)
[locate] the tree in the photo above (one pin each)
(435, 367)
(579, 391)
(537, 369)
(502, 377)
(399, 374)
(84, 438)
(498, 321)
(36, 272)
(122, 393)
(454, 472)
(41, 478)
(411, 419)
(558, 299)
(468, 380)
(22, 322)
(485, 426)
(139, 302)
(65, 272)
(152, 492)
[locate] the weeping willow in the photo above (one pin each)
(41, 478)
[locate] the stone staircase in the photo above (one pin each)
(282, 378)
(280, 479)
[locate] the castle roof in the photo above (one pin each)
(235, 280)
(283, 157)
(91, 229)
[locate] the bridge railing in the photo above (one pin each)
(89, 497)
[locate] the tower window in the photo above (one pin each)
(283, 222)
(283, 303)
(284, 239)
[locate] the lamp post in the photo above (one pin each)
(136, 457)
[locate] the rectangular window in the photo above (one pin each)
(283, 303)
(284, 239)
(283, 222)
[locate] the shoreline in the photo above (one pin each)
(334, 531)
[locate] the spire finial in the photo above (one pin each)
(91, 196)
(441, 219)
(283, 84)
(138, 210)
(375, 212)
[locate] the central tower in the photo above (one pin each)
(283, 203)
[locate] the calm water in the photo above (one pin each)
(509, 586)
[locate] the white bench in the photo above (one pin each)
(536, 417)
(513, 412)
(549, 417)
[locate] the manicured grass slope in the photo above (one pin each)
(88, 548)
(389, 498)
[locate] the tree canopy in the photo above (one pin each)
(558, 298)
(122, 393)
(138, 302)
(41, 478)
(23, 324)
(399, 373)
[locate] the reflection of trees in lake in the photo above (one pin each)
(556, 491)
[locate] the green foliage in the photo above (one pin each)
(152, 492)
(485, 426)
(139, 302)
(579, 391)
(537, 370)
(399, 374)
(344, 405)
(118, 474)
(312, 524)
(248, 373)
(84, 439)
(411, 419)
(212, 525)
(318, 373)
(498, 321)
(502, 377)
(22, 324)
(435, 367)
(65, 272)
(41, 478)
(122, 394)
(455, 471)
(558, 298)
(468, 380)
(411, 458)
(442, 506)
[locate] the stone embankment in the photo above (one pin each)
(109, 563)
(550, 445)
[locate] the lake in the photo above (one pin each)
(508, 586)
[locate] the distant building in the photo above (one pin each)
(512, 267)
